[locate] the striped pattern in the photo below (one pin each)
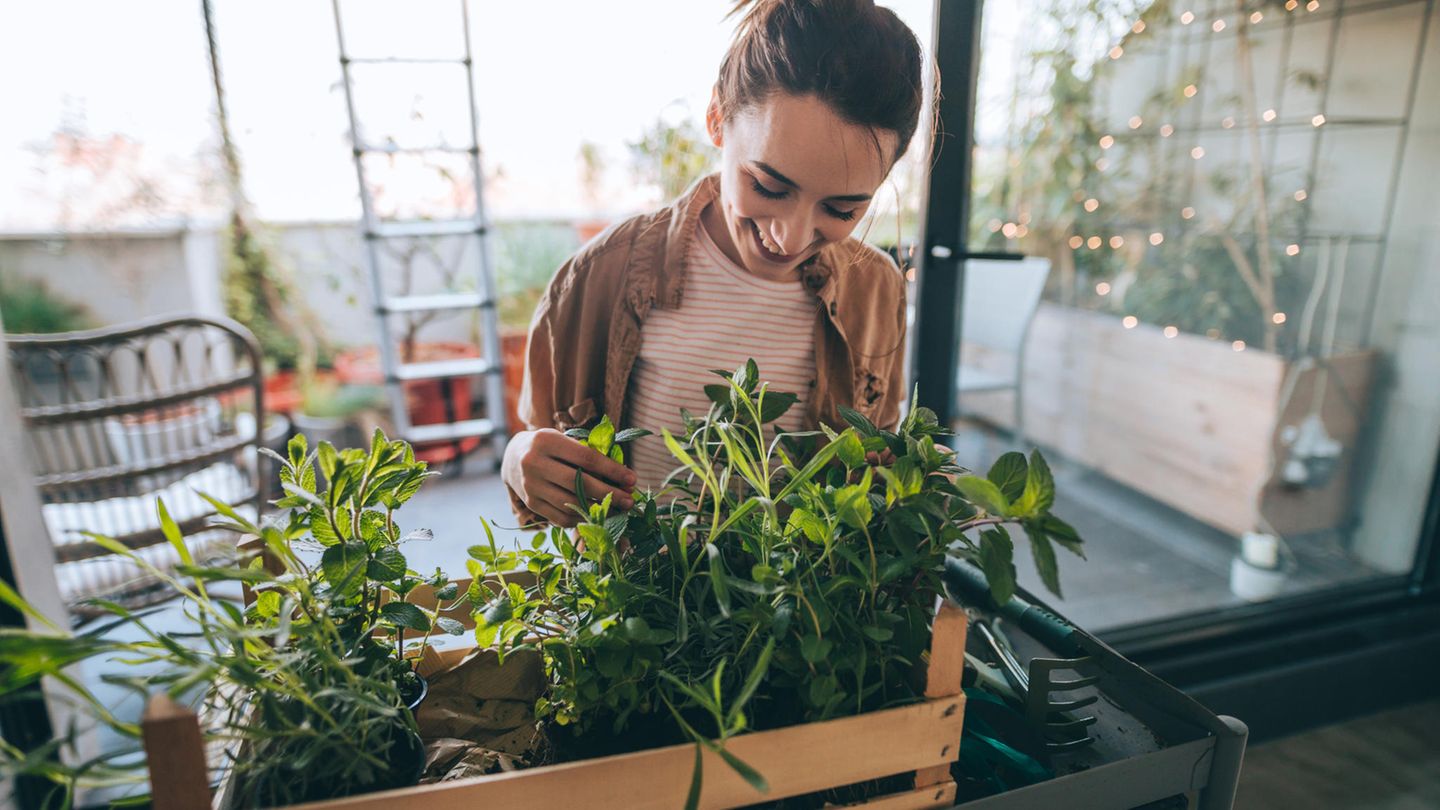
(726, 317)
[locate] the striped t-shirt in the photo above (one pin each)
(727, 316)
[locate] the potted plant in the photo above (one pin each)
(314, 680)
(328, 409)
(528, 254)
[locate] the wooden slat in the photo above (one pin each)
(175, 755)
(943, 672)
(1185, 420)
(796, 760)
(926, 798)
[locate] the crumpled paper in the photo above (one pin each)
(479, 716)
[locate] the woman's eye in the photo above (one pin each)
(765, 192)
(843, 216)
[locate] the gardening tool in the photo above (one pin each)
(1037, 683)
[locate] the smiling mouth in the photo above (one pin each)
(765, 251)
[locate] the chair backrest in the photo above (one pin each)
(1000, 299)
(117, 417)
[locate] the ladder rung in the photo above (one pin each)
(396, 149)
(449, 431)
(428, 227)
(437, 369)
(404, 60)
(431, 303)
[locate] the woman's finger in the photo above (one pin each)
(590, 460)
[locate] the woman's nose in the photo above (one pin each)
(793, 235)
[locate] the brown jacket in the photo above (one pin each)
(586, 330)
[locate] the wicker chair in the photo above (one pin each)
(116, 418)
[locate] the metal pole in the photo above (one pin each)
(943, 241)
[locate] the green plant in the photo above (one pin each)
(329, 398)
(527, 254)
(309, 685)
(776, 579)
(672, 156)
(30, 307)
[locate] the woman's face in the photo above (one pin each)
(794, 177)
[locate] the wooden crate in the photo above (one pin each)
(1187, 421)
(922, 738)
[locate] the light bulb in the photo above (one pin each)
(1091, 204)
(1076, 242)
(1256, 18)
(1238, 345)
(1008, 229)
(1227, 122)
(1117, 242)
(1136, 121)
(1317, 120)
(1191, 90)
(1103, 288)
(1268, 115)
(1166, 131)
(1198, 152)
(1117, 52)
(1217, 26)
(1106, 141)
(1301, 195)
(1093, 242)
(1278, 318)
(1156, 238)
(1171, 331)
(1138, 26)
(1130, 322)
(1292, 250)
(1187, 213)
(1187, 18)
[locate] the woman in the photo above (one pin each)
(815, 102)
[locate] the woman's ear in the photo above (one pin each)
(714, 123)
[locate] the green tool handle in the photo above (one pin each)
(969, 584)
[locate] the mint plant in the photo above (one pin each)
(779, 579)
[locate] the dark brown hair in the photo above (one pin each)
(856, 56)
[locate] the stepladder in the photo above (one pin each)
(427, 266)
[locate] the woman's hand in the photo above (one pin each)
(540, 467)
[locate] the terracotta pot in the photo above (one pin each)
(512, 354)
(282, 392)
(590, 228)
(427, 401)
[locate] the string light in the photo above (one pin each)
(1171, 331)
(1106, 141)
(1187, 213)
(1217, 26)
(1268, 115)
(1091, 204)
(1102, 164)
(1228, 122)
(1076, 242)
(1198, 152)
(1117, 52)
(994, 225)
(1317, 120)
(1191, 90)
(1187, 18)
(1313, 5)
(1156, 238)
(1136, 121)
(1009, 230)
(1093, 243)
(910, 274)
(1022, 232)
(1117, 242)
(1301, 195)
(1256, 18)
(1292, 250)
(1130, 322)
(1138, 27)
(1103, 288)
(1166, 131)
(1278, 318)
(1291, 5)
(1238, 345)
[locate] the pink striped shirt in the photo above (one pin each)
(727, 316)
